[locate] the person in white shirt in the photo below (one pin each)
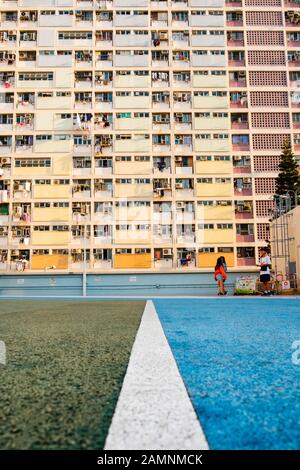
(265, 264)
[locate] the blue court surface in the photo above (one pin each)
(235, 357)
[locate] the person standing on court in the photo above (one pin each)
(220, 277)
(265, 265)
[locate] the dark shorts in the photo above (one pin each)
(265, 277)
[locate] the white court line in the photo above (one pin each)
(154, 411)
(144, 297)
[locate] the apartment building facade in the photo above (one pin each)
(140, 134)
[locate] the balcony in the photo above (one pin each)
(292, 18)
(162, 188)
(242, 187)
(244, 238)
(186, 259)
(104, 19)
(159, 20)
(162, 234)
(239, 101)
(103, 188)
(234, 19)
(7, 60)
(240, 145)
(243, 210)
(241, 164)
(81, 190)
(235, 39)
(104, 60)
(246, 261)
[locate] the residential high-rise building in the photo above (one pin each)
(143, 134)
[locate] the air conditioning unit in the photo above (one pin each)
(178, 159)
(5, 160)
(179, 185)
(247, 180)
(167, 251)
(237, 158)
(179, 205)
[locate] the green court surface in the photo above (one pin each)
(66, 361)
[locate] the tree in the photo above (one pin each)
(289, 177)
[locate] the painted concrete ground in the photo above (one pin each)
(235, 358)
(66, 361)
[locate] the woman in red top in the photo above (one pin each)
(220, 276)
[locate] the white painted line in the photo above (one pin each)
(154, 411)
(145, 297)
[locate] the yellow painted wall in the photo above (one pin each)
(215, 213)
(131, 261)
(133, 213)
(62, 124)
(131, 81)
(215, 236)
(133, 190)
(216, 189)
(50, 238)
(50, 214)
(62, 164)
(127, 102)
(132, 123)
(32, 171)
(58, 146)
(212, 145)
(211, 102)
(35, 84)
(209, 81)
(213, 167)
(133, 168)
(44, 121)
(211, 123)
(54, 102)
(44, 261)
(46, 191)
(208, 260)
(133, 145)
(64, 77)
(132, 236)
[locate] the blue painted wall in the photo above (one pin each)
(152, 284)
